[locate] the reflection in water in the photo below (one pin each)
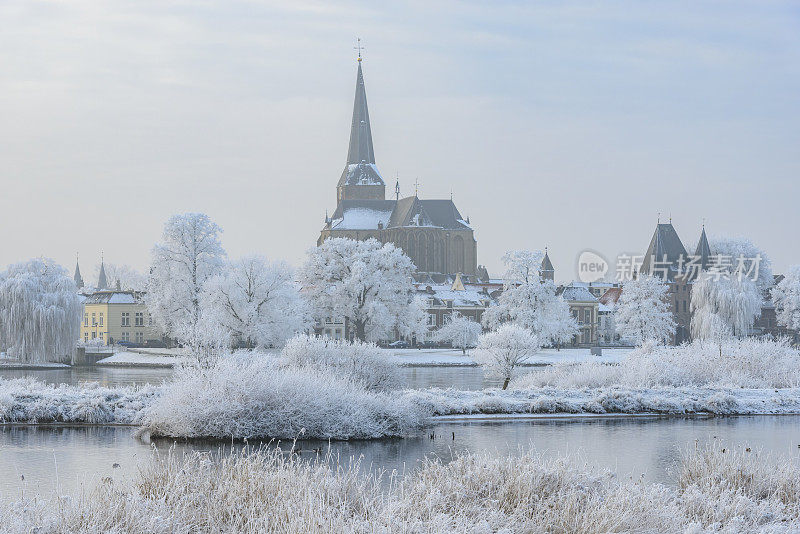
(650, 448)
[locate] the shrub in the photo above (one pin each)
(363, 363)
(247, 397)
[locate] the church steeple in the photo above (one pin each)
(360, 179)
(78, 278)
(102, 281)
(360, 131)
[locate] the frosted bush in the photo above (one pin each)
(242, 397)
(268, 491)
(25, 400)
(363, 363)
(747, 363)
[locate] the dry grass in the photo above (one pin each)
(267, 491)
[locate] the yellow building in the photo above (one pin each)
(118, 316)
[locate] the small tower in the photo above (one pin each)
(548, 273)
(78, 278)
(703, 250)
(102, 281)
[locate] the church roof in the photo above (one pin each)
(360, 167)
(409, 211)
(665, 245)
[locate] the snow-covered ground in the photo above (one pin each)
(147, 359)
(721, 491)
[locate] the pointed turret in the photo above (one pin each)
(703, 250)
(360, 179)
(666, 253)
(102, 281)
(548, 273)
(78, 278)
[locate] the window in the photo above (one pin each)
(431, 319)
(101, 336)
(94, 335)
(587, 316)
(684, 306)
(94, 319)
(101, 318)
(126, 336)
(139, 337)
(149, 319)
(676, 306)
(138, 319)
(126, 319)
(86, 336)
(85, 319)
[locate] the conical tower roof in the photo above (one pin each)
(102, 281)
(360, 149)
(666, 249)
(360, 168)
(703, 250)
(78, 278)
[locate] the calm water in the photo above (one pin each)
(67, 458)
(416, 377)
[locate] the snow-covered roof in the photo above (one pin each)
(361, 218)
(577, 294)
(469, 297)
(114, 297)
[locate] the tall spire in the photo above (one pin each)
(102, 281)
(78, 278)
(360, 149)
(703, 250)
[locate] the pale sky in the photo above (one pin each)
(565, 124)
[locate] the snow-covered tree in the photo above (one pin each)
(39, 311)
(642, 312)
(786, 297)
(724, 307)
(124, 276)
(727, 298)
(529, 301)
(461, 332)
(255, 302)
(189, 254)
(503, 350)
(744, 256)
(367, 283)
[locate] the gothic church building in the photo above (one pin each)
(439, 241)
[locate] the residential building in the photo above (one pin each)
(114, 316)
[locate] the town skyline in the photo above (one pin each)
(258, 143)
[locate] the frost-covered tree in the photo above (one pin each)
(727, 298)
(367, 283)
(255, 302)
(189, 254)
(124, 276)
(461, 332)
(501, 351)
(642, 312)
(786, 297)
(724, 307)
(530, 301)
(39, 311)
(744, 256)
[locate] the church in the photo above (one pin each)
(432, 232)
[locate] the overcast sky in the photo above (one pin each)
(567, 124)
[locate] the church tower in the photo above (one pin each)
(360, 179)
(77, 277)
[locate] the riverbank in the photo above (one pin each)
(718, 490)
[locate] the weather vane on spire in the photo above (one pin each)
(358, 47)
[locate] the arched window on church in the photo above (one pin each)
(422, 265)
(442, 267)
(431, 255)
(458, 253)
(411, 248)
